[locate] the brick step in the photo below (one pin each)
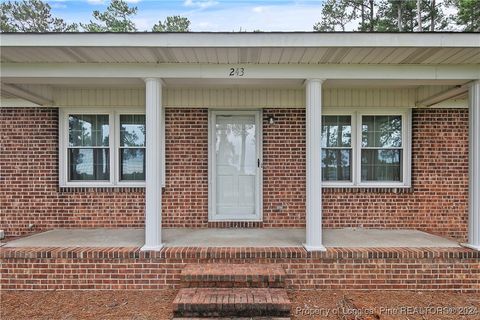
(231, 302)
(233, 276)
(235, 318)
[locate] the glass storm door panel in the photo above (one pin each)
(236, 167)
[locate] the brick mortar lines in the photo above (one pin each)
(237, 253)
(436, 203)
(344, 272)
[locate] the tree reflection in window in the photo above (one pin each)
(381, 148)
(88, 150)
(132, 147)
(336, 148)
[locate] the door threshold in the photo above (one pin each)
(235, 224)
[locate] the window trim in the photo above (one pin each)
(356, 115)
(118, 182)
(114, 143)
(345, 112)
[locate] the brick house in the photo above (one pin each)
(333, 155)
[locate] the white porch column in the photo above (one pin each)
(314, 166)
(153, 164)
(474, 167)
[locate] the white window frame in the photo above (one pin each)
(356, 116)
(114, 146)
(344, 112)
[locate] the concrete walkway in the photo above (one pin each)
(349, 238)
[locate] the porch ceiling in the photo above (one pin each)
(243, 48)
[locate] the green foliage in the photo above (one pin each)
(401, 15)
(468, 16)
(336, 14)
(31, 16)
(172, 24)
(398, 15)
(366, 11)
(116, 18)
(385, 15)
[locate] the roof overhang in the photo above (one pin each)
(347, 59)
(247, 48)
(243, 39)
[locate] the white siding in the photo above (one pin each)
(236, 97)
(101, 97)
(359, 97)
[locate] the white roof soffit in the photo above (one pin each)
(245, 48)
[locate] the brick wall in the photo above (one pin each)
(29, 190)
(185, 200)
(284, 168)
(438, 201)
(455, 269)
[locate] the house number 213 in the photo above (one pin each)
(236, 72)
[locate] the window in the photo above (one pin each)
(102, 147)
(132, 147)
(337, 148)
(88, 147)
(381, 148)
(366, 148)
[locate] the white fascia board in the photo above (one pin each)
(243, 39)
(251, 71)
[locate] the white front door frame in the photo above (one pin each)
(212, 215)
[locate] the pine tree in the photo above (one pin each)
(397, 15)
(31, 16)
(335, 14)
(116, 18)
(468, 14)
(402, 15)
(366, 11)
(172, 24)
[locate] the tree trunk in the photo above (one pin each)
(363, 16)
(399, 16)
(419, 15)
(432, 16)
(371, 15)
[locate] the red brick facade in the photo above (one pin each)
(455, 269)
(185, 199)
(29, 191)
(438, 200)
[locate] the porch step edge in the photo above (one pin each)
(233, 275)
(237, 302)
(234, 318)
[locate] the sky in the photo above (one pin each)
(207, 15)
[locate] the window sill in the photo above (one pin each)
(366, 189)
(108, 188)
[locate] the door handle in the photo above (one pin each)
(259, 164)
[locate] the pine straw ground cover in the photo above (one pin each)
(337, 305)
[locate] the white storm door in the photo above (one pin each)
(235, 165)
